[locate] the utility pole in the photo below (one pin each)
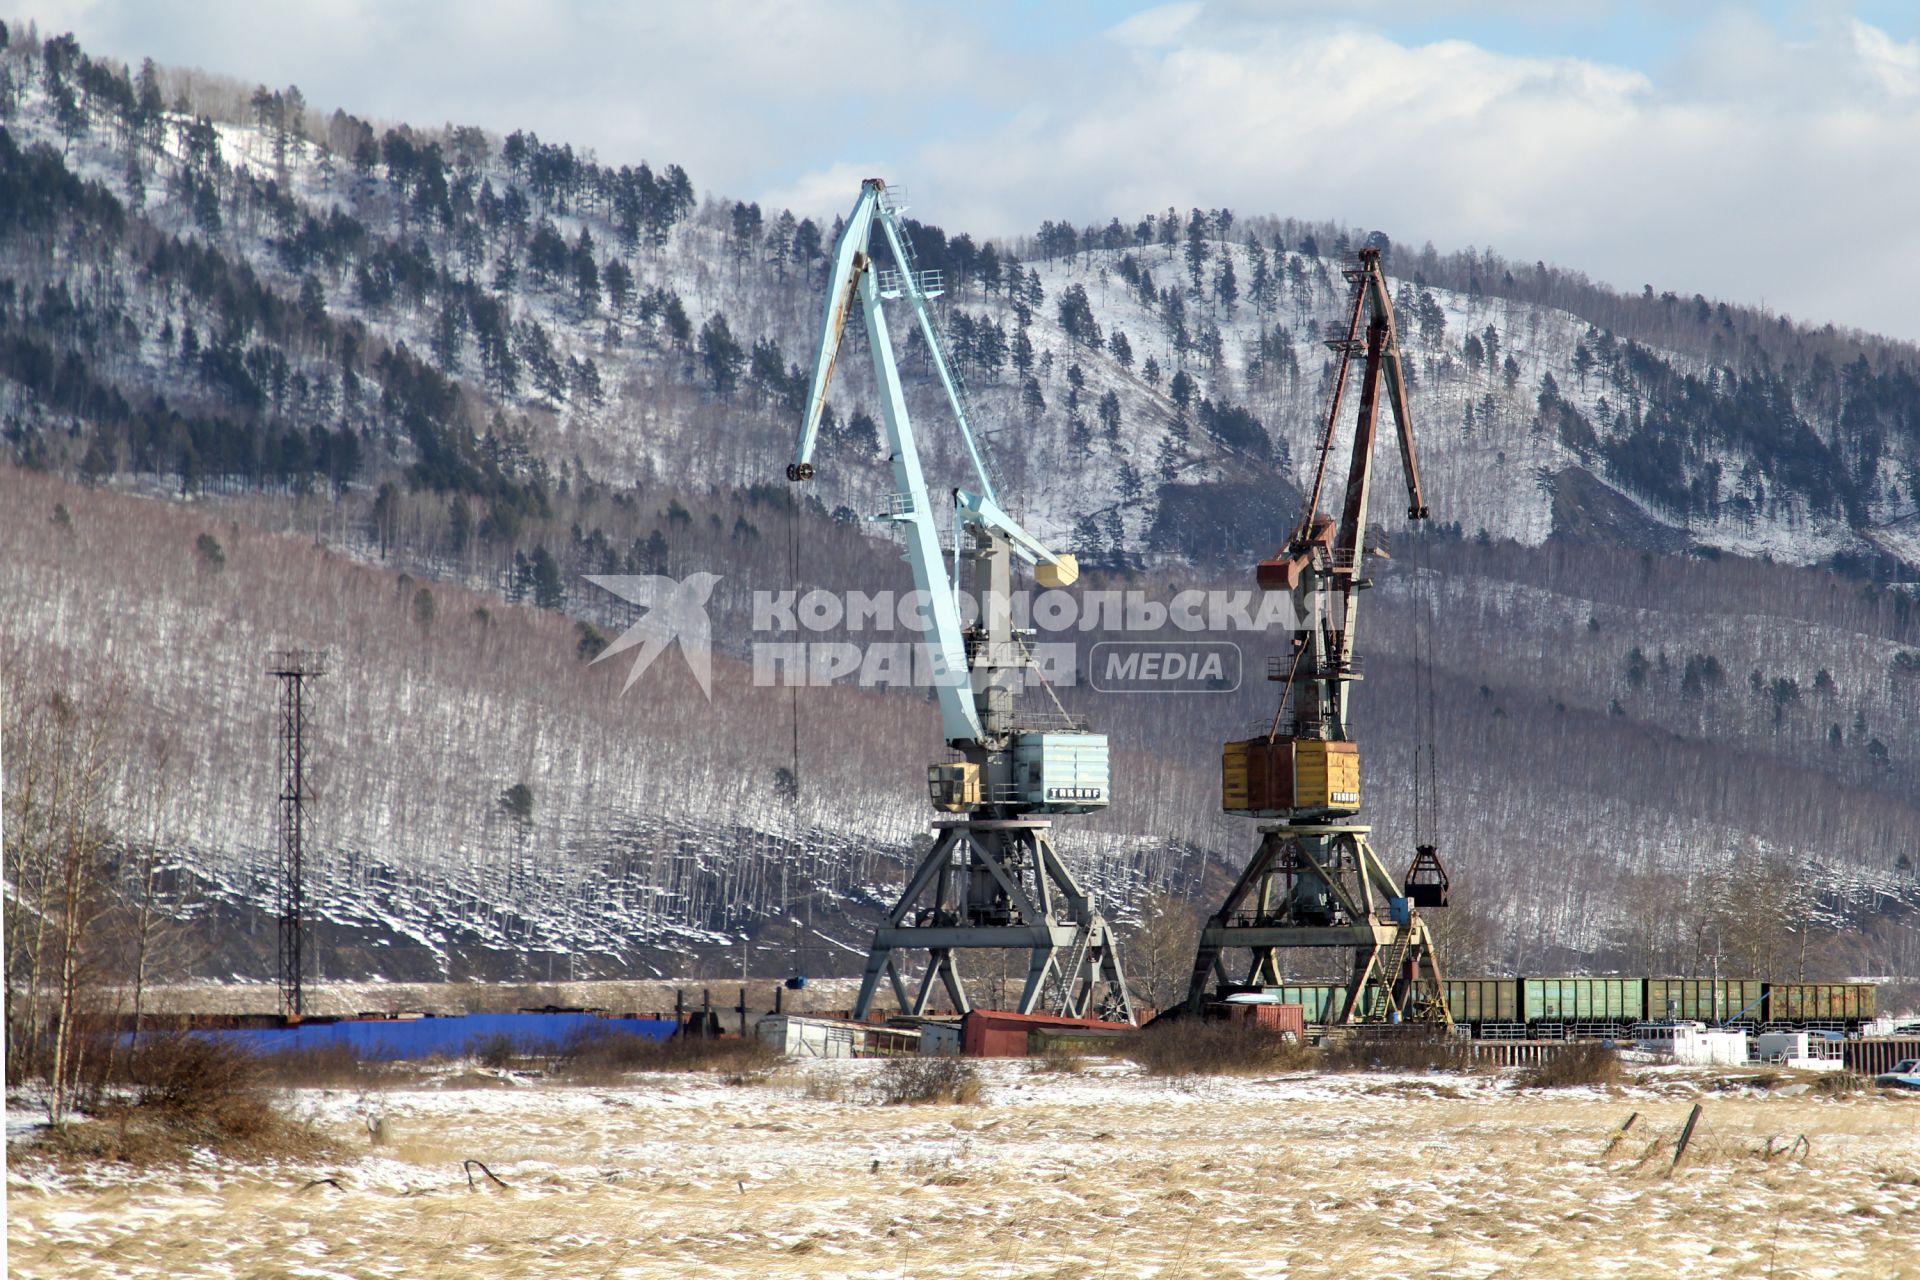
(293, 668)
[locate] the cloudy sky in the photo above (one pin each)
(1762, 152)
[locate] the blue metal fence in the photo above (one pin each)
(446, 1037)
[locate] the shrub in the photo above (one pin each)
(921, 1081)
(821, 1086)
(495, 1051)
(334, 1066)
(1061, 1057)
(1189, 1047)
(1408, 1049)
(1583, 1063)
(1838, 1084)
(597, 1054)
(184, 1073)
(185, 1092)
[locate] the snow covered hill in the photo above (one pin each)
(435, 377)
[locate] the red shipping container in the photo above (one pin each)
(1277, 1018)
(991, 1033)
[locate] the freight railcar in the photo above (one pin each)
(1712, 1000)
(1583, 1002)
(1821, 1004)
(1563, 1005)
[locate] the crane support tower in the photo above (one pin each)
(992, 878)
(1315, 880)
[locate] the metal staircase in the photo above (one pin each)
(1068, 977)
(1388, 962)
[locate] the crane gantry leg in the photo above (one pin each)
(1318, 885)
(998, 884)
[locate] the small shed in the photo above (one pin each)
(939, 1039)
(803, 1037)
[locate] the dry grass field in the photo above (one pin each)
(1055, 1173)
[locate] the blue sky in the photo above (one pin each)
(1758, 152)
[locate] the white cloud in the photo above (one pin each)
(1759, 170)
(1159, 26)
(734, 92)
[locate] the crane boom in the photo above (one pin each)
(969, 668)
(1322, 562)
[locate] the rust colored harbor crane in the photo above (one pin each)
(1315, 880)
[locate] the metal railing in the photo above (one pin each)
(892, 282)
(1279, 668)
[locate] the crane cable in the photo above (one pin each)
(793, 580)
(793, 787)
(1426, 816)
(1415, 621)
(1286, 695)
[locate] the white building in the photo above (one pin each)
(1800, 1050)
(1691, 1044)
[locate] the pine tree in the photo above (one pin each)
(720, 354)
(1021, 351)
(619, 281)
(1197, 250)
(1182, 389)
(1260, 278)
(806, 244)
(586, 272)
(1031, 398)
(549, 592)
(1226, 289)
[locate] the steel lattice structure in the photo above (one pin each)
(293, 668)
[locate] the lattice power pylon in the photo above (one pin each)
(293, 668)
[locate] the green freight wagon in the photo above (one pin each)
(1846, 1002)
(1706, 999)
(1583, 999)
(1482, 999)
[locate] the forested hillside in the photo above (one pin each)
(276, 376)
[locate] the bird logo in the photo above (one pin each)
(675, 611)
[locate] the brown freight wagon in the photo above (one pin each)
(1798, 1002)
(1278, 1018)
(993, 1033)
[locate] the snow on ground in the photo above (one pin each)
(1105, 1172)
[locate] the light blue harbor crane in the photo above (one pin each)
(992, 878)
